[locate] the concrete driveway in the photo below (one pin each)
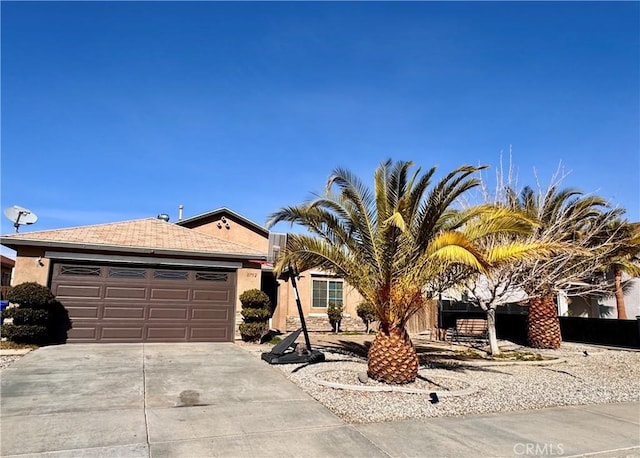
(193, 400)
(139, 400)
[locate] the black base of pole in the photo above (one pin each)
(311, 357)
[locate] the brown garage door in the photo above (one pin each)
(109, 303)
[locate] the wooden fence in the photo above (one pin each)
(426, 319)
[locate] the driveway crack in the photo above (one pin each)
(144, 399)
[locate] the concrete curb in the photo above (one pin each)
(15, 352)
(399, 389)
(544, 362)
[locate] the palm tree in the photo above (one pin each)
(394, 245)
(565, 216)
(625, 259)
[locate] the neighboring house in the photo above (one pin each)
(6, 270)
(144, 280)
(598, 306)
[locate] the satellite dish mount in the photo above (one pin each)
(20, 215)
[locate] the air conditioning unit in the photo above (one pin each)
(277, 245)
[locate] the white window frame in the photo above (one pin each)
(326, 280)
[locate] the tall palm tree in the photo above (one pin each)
(392, 244)
(564, 216)
(624, 259)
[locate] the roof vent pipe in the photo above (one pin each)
(164, 217)
(180, 208)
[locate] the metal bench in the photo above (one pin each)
(474, 328)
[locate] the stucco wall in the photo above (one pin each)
(237, 232)
(286, 315)
(248, 277)
(31, 265)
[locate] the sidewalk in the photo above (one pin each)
(608, 430)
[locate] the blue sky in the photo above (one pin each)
(121, 110)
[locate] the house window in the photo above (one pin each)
(325, 291)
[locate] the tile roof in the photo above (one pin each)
(146, 234)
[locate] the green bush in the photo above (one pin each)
(334, 312)
(30, 295)
(252, 331)
(38, 319)
(256, 311)
(253, 315)
(26, 316)
(255, 299)
(367, 313)
(25, 334)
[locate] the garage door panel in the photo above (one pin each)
(123, 312)
(205, 334)
(177, 333)
(83, 291)
(170, 294)
(200, 295)
(118, 292)
(120, 333)
(88, 334)
(83, 311)
(157, 305)
(210, 313)
(167, 313)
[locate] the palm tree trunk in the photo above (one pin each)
(543, 326)
(491, 329)
(392, 357)
(622, 312)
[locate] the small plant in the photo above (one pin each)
(367, 312)
(334, 312)
(275, 340)
(256, 311)
(38, 318)
(521, 356)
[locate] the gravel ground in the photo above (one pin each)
(602, 376)
(5, 361)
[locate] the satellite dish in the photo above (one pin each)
(20, 215)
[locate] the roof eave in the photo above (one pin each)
(14, 243)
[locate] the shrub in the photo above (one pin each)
(252, 331)
(30, 295)
(256, 311)
(25, 334)
(38, 319)
(254, 298)
(26, 316)
(367, 312)
(253, 315)
(334, 312)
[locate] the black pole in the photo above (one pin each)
(292, 275)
